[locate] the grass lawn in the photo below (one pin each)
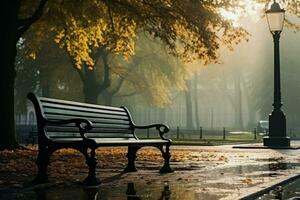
(215, 139)
(213, 142)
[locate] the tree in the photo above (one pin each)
(189, 105)
(113, 25)
(13, 29)
(81, 26)
(127, 77)
(7, 136)
(196, 100)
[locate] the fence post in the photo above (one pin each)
(255, 134)
(224, 133)
(200, 132)
(177, 131)
(148, 133)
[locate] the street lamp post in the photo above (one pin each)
(277, 121)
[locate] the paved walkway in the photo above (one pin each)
(212, 172)
(219, 172)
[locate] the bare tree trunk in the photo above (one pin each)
(45, 84)
(163, 114)
(189, 110)
(196, 101)
(148, 115)
(46, 90)
(212, 119)
(239, 105)
(90, 87)
(9, 12)
(108, 98)
(251, 108)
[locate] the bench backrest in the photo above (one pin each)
(108, 122)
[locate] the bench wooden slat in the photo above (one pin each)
(134, 141)
(94, 130)
(63, 135)
(116, 141)
(89, 135)
(53, 134)
(97, 126)
(95, 121)
(53, 115)
(83, 105)
(58, 111)
(49, 106)
(108, 135)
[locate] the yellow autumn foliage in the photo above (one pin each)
(191, 30)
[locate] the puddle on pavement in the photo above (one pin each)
(290, 191)
(130, 191)
(156, 190)
(264, 169)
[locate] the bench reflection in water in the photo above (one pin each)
(94, 193)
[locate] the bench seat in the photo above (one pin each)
(115, 142)
(85, 127)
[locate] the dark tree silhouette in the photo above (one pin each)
(13, 28)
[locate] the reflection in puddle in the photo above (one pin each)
(290, 191)
(270, 168)
(91, 193)
(129, 192)
(184, 188)
(132, 194)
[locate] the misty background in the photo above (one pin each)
(235, 93)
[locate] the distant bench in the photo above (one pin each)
(85, 127)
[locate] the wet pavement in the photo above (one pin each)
(214, 172)
(290, 191)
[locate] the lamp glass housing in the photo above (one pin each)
(275, 16)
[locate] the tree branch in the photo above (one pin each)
(118, 87)
(110, 15)
(127, 95)
(24, 24)
(36, 15)
(81, 76)
(97, 54)
(106, 77)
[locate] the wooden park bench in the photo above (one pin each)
(85, 127)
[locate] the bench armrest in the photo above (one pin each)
(83, 125)
(162, 129)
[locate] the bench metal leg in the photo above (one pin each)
(91, 161)
(166, 155)
(131, 156)
(42, 162)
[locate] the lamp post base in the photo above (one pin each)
(277, 141)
